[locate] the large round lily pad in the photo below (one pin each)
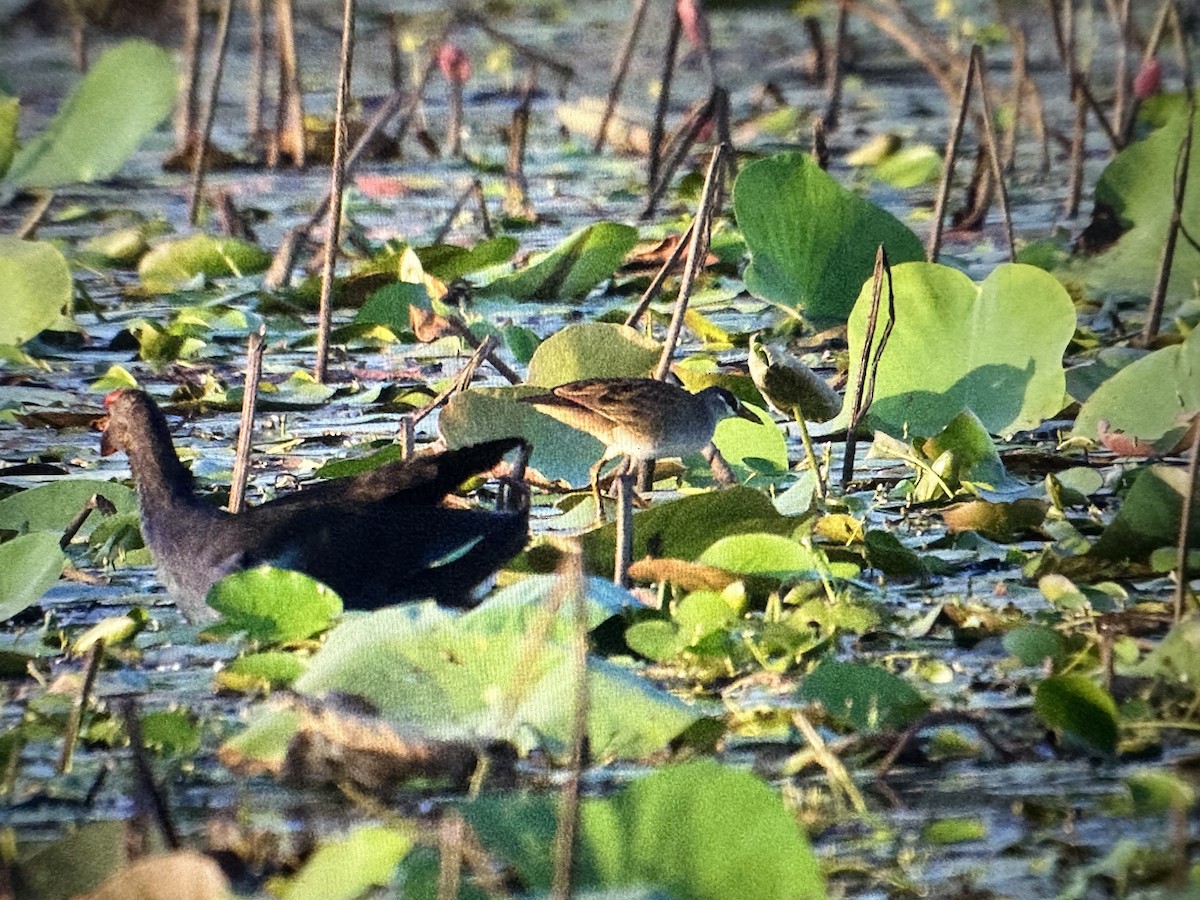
(994, 348)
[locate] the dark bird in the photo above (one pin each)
(378, 538)
(640, 418)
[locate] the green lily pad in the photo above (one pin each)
(683, 528)
(122, 98)
(698, 830)
(351, 866)
(862, 697)
(29, 566)
(52, 506)
(771, 555)
(449, 261)
(1080, 709)
(484, 414)
(476, 678)
(1137, 188)
(10, 118)
(995, 348)
(1149, 516)
(390, 304)
(592, 350)
(1150, 399)
(35, 282)
(274, 605)
(572, 269)
(812, 242)
(174, 264)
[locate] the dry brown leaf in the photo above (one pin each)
(688, 575)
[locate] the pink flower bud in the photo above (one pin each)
(1148, 80)
(454, 63)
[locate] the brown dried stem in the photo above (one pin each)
(655, 287)
(833, 72)
(289, 113)
(337, 182)
(872, 353)
(989, 136)
(934, 248)
(620, 70)
(659, 127)
(706, 210)
(241, 461)
(75, 719)
(200, 151)
(188, 101)
(1185, 521)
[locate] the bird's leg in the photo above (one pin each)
(594, 478)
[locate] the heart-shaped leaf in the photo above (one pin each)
(812, 242)
(1080, 709)
(592, 350)
(995, 348)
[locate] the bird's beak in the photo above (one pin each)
(108, 445)
(744, 412)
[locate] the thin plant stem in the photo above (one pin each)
(568, 806)
(1185, 521)
(833, 71)
(697, 253)
(200, 151)
(810, 452)
(337, 182)
(658, 129)
(241, 462)
(624, 552)
(993, 149)
(620, 70)
(1183, 161)
(257, 66)
(289, 112)
(934, 248)
(188, 100)
(864, 385)
(145, 773)
(75, 719)
(655, 287)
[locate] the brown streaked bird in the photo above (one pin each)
(378, 538)
(639, 418)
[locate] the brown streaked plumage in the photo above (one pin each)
(639, 418)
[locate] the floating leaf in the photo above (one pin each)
(274, 605)
(1080, 709)
(592, 350)
(174, 264)
(812, 242)
(1149, 516)
(862, 697)
(1136, 189)
(125, 94)
(469, 677)
(559, 451)
(572, 269)
(35, 282)
(449, 261)
(954, 831)
(1033, 645)
(256, 672)
(995, 348)
(771, 555)
(1151, 400)
(29, 565)
(52, 506)
(390, 305)
(683, 528)
(10, 117)
(349, 867)
(698, 830)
